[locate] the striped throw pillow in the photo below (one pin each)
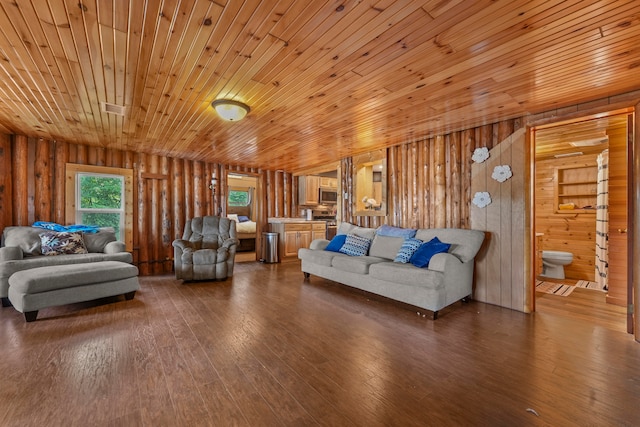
(355, 245)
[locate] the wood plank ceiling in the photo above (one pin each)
(324, 79)
(586, 136)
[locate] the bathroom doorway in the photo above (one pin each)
(571, 197)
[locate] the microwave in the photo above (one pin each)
(328, 197)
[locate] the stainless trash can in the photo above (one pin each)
(269, 248)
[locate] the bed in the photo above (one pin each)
(245, 231)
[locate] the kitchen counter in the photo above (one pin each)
(296, 233)
(294, 221)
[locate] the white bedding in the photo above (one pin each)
(246, 227)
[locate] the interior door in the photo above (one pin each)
(618, 219)
(634, 284)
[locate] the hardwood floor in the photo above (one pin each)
(268, 349)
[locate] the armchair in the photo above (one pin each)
(207, 249)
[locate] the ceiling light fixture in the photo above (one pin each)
(577, 153)
(590, 142)
(229, 110)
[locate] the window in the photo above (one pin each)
(102, 196)
(239, 198)
(100, 201)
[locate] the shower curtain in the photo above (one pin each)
(602, 220)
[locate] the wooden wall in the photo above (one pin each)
(503, 263)
(430, 184)
(167, 191)
(619, 221)
(429, 181)
(567, 231)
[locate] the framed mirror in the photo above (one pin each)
(370, 184)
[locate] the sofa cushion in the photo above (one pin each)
(347, 228)
(45, 279)
(365, 232)
(355, 245)
(26, 238)
(336, 243)
(385, 246)
(423, 254)
(96, 242)
(344, 228)
(464, 243)
(406, 251)
(59, 243)
(388, 230)
(358, 265)
(204, 256)
(7, 268)
(406, 274)
(318, 257)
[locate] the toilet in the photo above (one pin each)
(553, 263)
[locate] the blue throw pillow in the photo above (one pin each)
(408, 248)
(424, 253)
(336, 243)
(243, 218)
(355, 245)
(388, 230)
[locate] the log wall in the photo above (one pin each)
(167, 191)
(429, 181)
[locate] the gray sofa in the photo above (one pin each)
(20, 250)
(447, 279)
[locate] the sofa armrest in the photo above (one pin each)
(319, 244)
(182, 244)
(229, 243)
(11, 253)
(443, 262)
(114, 247)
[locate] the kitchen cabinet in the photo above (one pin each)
(326, 182)
(308, 189)
(294, 235)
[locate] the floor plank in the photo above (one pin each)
(269, 348)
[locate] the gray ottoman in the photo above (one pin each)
(36, 288)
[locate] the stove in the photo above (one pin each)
(329, 217)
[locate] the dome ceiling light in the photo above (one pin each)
(229, 110)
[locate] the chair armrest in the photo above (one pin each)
(10, 253)
(115, 247)
(229, 243)
(182, 244)
(319, 244)
(444, 261)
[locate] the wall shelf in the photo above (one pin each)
(577, 185)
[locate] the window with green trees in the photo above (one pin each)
(238, 198)
(100, 201)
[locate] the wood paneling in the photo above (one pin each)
(429, 181)
(618, 217)
(567, 231)
(166, 192)
(575, 231)
(325, 81)
(502, 267)
(6, 187)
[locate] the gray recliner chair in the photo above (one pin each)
(207, 249)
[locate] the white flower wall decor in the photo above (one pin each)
(480, 154)
(501, 173)
(482, 199)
